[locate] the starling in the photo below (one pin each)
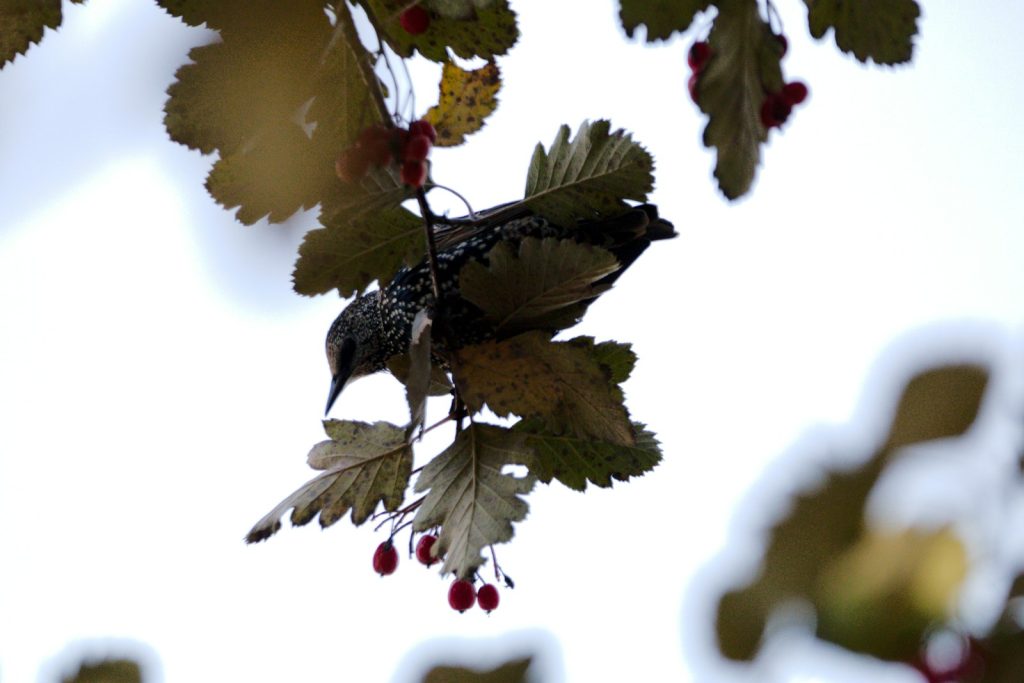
(378, 325)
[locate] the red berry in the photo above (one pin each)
(487, 597)
(423, 547)
(351, 164)
(783, 43)
(417, 148)
(774, 111)
(376, 144)
(698, 55)
(415, 20)
(414, 173)
(385, 558)
(692, 86)
(461, 595)
(794, 93)
(423, 127)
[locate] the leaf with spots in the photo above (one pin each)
(542, 284)
(744, 65)
(363, 465)
(562, 384)
(469, 498)
(22, 23)
(467, 98)
(457, 9)
(588, 177)
(487, 29)
(575, 461)
(881, 30)
(662, 18)
(351, 255)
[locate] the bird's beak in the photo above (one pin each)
(341, 378)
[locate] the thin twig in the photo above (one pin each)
(348, 29)
(428, 226)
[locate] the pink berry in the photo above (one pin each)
(794, 93)
(423, 547)
(351, 164)
(487, 597)
(385, 558)
(414, 173)
(415, 20)
(692, 86)
(783, 43)
(417, 148)
(376, 144)
(461, 595)
(698, 55)
(774, 111)
(423, 127)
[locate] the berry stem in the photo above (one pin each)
(348, 29)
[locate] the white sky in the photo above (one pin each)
(160, 385)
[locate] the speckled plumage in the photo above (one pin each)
(378, 325)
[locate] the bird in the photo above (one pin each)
(377, 325)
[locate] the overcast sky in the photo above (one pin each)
(160, 384)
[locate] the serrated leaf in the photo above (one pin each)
(617, 357)
(937, 404)
(745, 63)
(364, 464)
(417, 384)
(537, 285)
(457, 9)
(560, 383)
(489, 31)
(661, 17)
(466, 99)
(575, 461)
(469, 497)
(351, 255)
(882, 30)
(590, 177)
(22, 23)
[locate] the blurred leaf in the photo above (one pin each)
(363, 464)
(937, 404)
(510, 672)
(457, 9)
(589, 177)
(466, 99)
(745, 63)
(661, 17)
(351, 255)
(488, 31)
(417, 384)
(439, 385)
(107, 671)
(575, 461)
(469, 497)
(22, 23)
(560, 383)
(1003, 656)
(536, 285)
(882, 30)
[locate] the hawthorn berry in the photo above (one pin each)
(461, 595)
(417, 148)
(774, 110)
(414, 173)
(423, 127)
(423, 547)
(385, 558)
(351, 165)
(783, 44)
(376, 143)
(415, 20)
(698, 55)
(794, 93)
(691, 85)
(487, 597)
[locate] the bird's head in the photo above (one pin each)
(354, 344)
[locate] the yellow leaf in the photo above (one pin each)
(467, 98)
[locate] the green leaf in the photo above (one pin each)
(488, 31)
(469, 497)
(661, 17)
(537, 285)
(364, 464)
(560, 383)
(745, 63)
(350, 255)
(882, 30)
(575, 461)
(617, 357)
(589, 177)
(937, 404)
(106, 671)
(22, 23)
(509, 672)
(417, 384)
(466, 99)
(457, 9)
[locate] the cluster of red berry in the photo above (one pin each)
(462, 594)
(414, 20)
(697, 58)
(379, 145)
(777, 106)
